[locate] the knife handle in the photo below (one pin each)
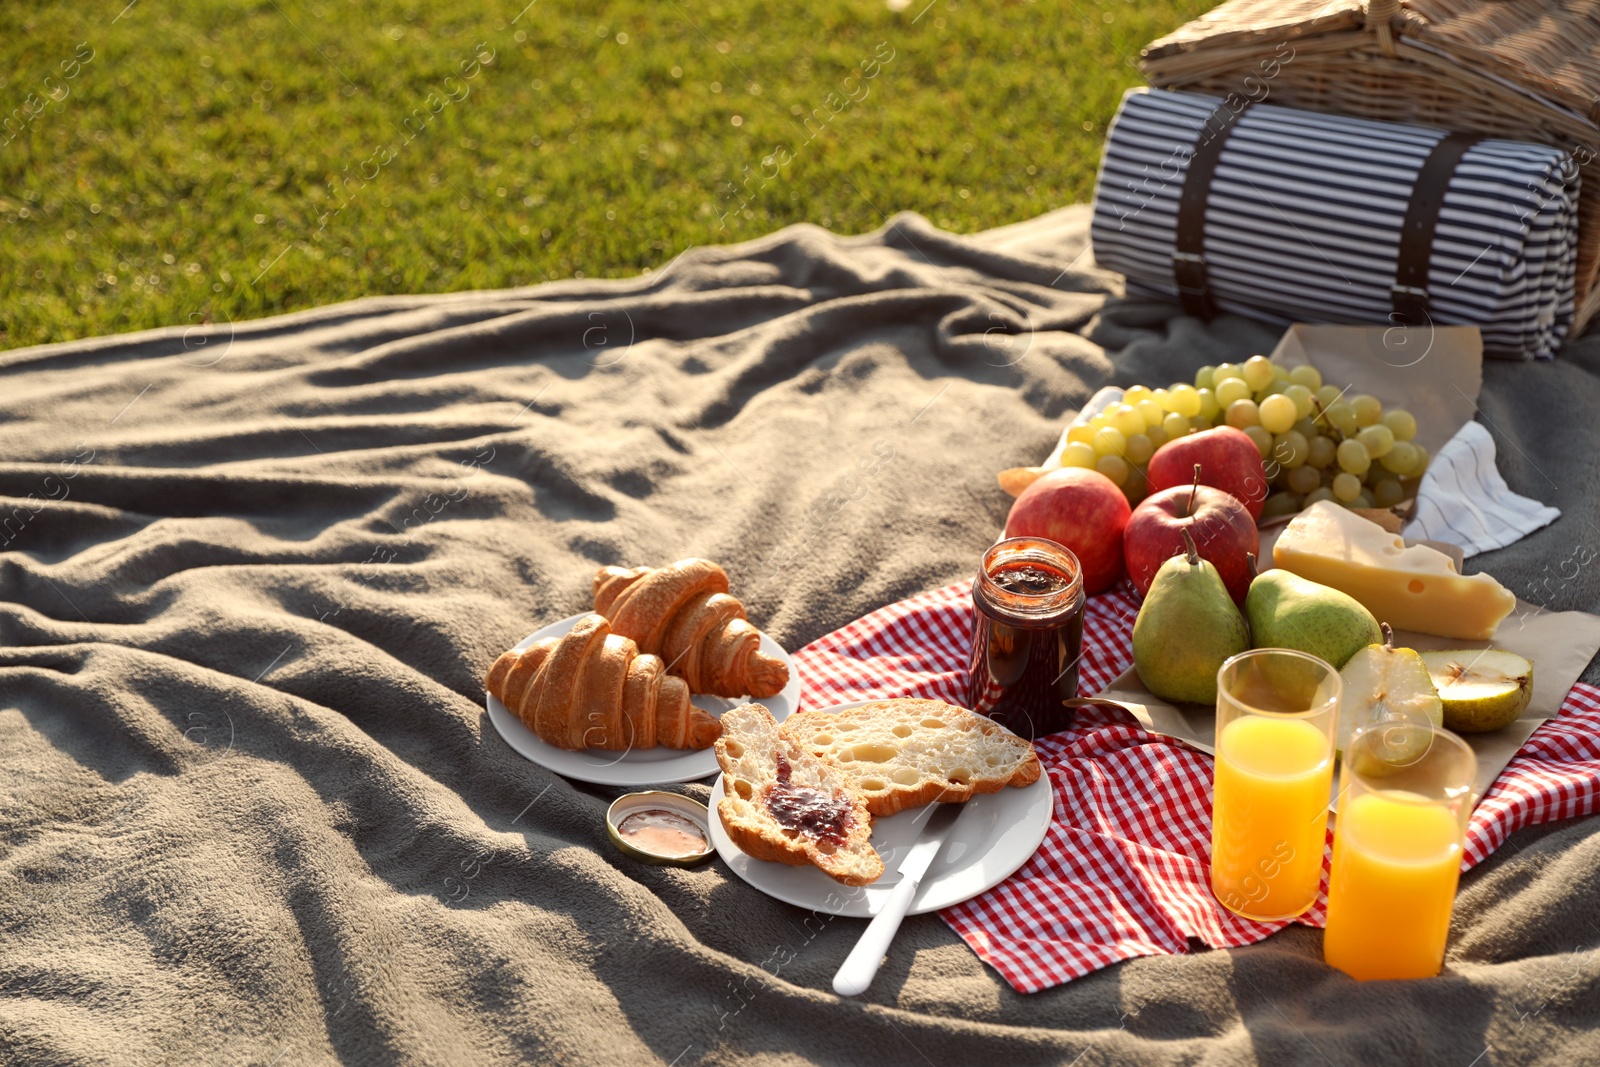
(861, 966)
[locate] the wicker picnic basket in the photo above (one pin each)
(1520, 69)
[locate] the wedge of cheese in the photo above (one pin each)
(1416, 588)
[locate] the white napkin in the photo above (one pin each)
(1463, 499)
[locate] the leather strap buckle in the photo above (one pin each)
(1410, 305)
(1189, 275)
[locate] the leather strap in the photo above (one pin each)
(1409, 293)
(1189, 237)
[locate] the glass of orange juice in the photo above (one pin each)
(1276, 721)
(1405, 795)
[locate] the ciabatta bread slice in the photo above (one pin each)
(780, 803)
(905, 753)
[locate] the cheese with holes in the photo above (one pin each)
(1416, 588)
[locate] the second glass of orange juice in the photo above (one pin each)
(1277, 713)
(1406, 794)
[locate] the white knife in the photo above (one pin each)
(861, 966)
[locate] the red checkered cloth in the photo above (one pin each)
(1123, 870)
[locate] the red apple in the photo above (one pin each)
(1228, 460)
(1081, 509)
(1220, 525)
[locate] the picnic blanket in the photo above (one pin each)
(251, 576)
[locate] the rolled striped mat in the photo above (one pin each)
(1304, 211)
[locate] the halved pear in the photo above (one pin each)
(1381, 683)
(1483, 689)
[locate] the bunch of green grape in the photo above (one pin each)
(1316, 441)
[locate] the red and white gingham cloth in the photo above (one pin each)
(1123, 870)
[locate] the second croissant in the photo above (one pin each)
(683, 613)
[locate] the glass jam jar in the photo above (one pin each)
(1027, 635)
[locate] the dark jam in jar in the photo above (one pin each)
(1027, 634)
(1030, 579)
(810, 811)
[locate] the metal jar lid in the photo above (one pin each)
(676, 803)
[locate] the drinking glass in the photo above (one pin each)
(1277, 712)
(1405, 795)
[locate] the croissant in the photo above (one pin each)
(591, 688)
(682, 612)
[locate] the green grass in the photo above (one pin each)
(207, 163)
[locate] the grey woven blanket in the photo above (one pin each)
(251, 577)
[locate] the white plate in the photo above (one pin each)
(645, 766)
(995, 835)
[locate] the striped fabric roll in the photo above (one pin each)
(1304, 213)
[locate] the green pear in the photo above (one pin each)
(1287, 611)
(1187, 626)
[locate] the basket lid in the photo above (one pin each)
(1548, 47)
(1244, 21)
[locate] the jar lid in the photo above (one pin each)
(672, 805)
